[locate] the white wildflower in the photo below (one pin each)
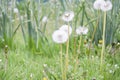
(81, 30)
(44, 19)
(15, 10)
(106, 6)
(66, 28)
(97, 4)
(68, 16)
(59, 36)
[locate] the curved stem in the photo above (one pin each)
(97, 22)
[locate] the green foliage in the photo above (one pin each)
(35, 56)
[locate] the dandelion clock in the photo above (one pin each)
(97, 4)
(106, 6)
(66, 28)
(59, 36)
(81, 30)
(68, 16)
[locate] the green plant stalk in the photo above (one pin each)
(78, 54)
(37, 37)
(78, 12)
(97, 22)
(67, 56)
(29, 27)
(83, 13)
(103, 44)
(6, 58)
(61, 61)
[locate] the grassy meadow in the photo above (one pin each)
(34, 47)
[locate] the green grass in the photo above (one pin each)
(32, 55)
(23, 63)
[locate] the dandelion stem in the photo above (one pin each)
(78, 54)
(67, 56)
(103, 44)
(61, 62)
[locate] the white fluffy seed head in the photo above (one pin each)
(15, 10)
(97, 4)
(44, 19)
(66, 28)
(68, 16)
(81, 30)
(59, 36)
(106, 6)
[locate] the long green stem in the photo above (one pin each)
(103, 44)
(67, 56)
(78, 54)
(61, 60)
(97, 22)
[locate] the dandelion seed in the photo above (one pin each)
(68, 16)
(15, 10)
(59, 36)
(44, 19)
(81, 30)
(97, 4)
(106, 6)
(65, 28)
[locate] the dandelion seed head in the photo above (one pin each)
(65, 28)
(44, 19)
(59, 36)
(106, 6)
(68, 16)
(81, 30)
(97, 4)
(15, 10)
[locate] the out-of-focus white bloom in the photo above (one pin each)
(44, 19)
(66, 28)
(0, 60)
(110, 71)
(81, 30)
(59, 36)
(68, 16)
(97, 4)
(106, 6)
(15, 10)
(45, 65)
(31, 75)
(116, 66)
